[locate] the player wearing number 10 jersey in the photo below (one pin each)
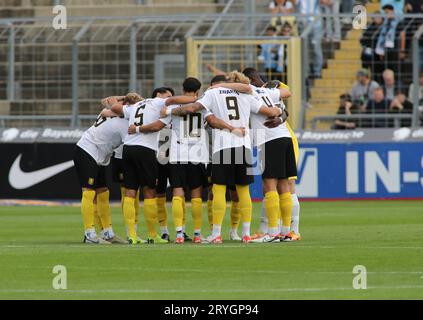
(188, 156)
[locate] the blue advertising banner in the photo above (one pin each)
(357, 170)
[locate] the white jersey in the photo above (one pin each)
(262, 134)
(233, 108)
(143, 113)
(101, 139)
(189, 141)
(119, 151)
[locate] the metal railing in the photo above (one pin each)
(66, 72)
(396, 119)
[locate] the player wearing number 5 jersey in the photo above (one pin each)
(231, 153)
(140, 162)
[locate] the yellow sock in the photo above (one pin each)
(197, 211)
(235, 215)
(150, 214)
(210, 212)
(162, 211)
(87, 208)
(129, 214)
(285, 202)
(178, 212)
(185, 211)
(245, 206)
(104, 209)
(97, 220)
(137, 207)
(122, 196)
(271, 204)
(219, 204)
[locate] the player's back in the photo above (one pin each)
(234, 108)
(189, 142)
(143, 113)
(103, 137)
(262, 134)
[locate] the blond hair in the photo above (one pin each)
(132, 98)
(237, 77)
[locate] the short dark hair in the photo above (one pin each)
(251, 73)
(271, 28)
(191, 84)
(346, 97)
(162, 90)
(388, 7)
(218, 78)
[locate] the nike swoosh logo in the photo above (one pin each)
(23, 180)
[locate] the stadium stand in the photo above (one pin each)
(43, 56)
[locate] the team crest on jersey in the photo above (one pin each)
(90, 181)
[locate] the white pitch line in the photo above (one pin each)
(207, 290)
(70, 268)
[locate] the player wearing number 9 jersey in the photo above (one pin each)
(232, 153)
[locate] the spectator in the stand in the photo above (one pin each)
(414, 6)
(363, 89)
(419, 89)
(398, 5)
(284, 7)
(346, 107)
(390, 47)
(270, 55)
(390, 86)
(378, 105)
(368, 41)
(347, 7)
(401, 105)
(286, 31)
(311, 8)
(281, 6)
(332, 29)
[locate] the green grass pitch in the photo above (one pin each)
(384, 236)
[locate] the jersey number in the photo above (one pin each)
(267, 101)
(232, 105)
(99, 121)
(139, 115)
(192, 125)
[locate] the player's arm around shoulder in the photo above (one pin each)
(181, 110)
(236, 86)
(217, 123)
(180, 100)
(155, 126)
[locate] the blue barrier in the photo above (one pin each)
(357, 171)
